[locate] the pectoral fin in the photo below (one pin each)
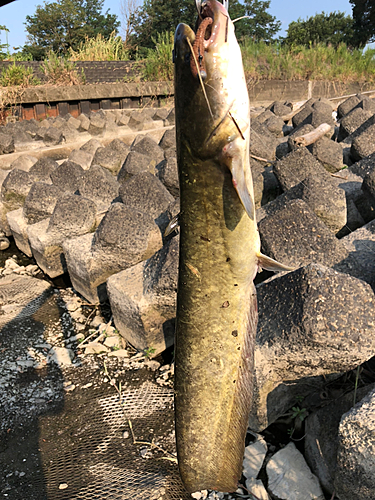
(271, 264)
(239, 182)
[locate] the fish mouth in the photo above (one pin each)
(210, 31)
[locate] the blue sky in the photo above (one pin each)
(13, 15)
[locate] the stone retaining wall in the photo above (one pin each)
(94, 71)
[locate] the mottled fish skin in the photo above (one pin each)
(219, 254)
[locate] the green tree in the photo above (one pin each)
(59, 25)
(3, 46)
(259, 24)
(364, 21)
(333, 28)
(158, 16)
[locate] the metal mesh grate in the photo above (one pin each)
(86, 451)
(91, 458)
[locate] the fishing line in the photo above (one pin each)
(200, 77)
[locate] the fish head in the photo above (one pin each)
(211, 98)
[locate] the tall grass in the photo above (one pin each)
(100, 49)
(159, 64)
(61, 71)
(318, 62)
(18, 76)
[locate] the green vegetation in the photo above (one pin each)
(158, 16)
(61, 25)
(61, 71)
(333, 29)
(364, 21)
(319, 62)
(257, 23)
(100, 49)
(18, 76)
(159, 65)
(322, 47)
(149, 351)
(4, 46)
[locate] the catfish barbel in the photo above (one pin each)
(219, 253)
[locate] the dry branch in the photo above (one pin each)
(313, 136)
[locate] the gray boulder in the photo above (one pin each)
(148, 146)
(366, 103)
(41, 171)
(123, 120)
(73, 216)
(168, 174)
(15, 188)
(303, 117)
(144, 192)
(109, 158)
(352, 121)
(275, 125)
(171, 118)
(24, 162)
(262, 143)
(355, 472)
(134, 164)
(81, 158)
(143, 300)
(295, 236)
(40, 202)
(320, 192)
(68, 176)
(168, 140)
(295, 167)
(361, 247)
(97, 124)
(136, 121)
(70, 134)
(368, 185)
(91, 146)
(100, 186)
(321, 429)
(266, 186)
(364, 166)
(39, 205)
(53, 136)
(345, 107)
(364, 144)
(6, 144)
(329, 153)
(263, 116)
(306, 336)
(124, 237)
(85, 122)
(280, 108)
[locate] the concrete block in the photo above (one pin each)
(143, 300)
(73, 216)
(295, 167)
(295, 236)
(18, 225)
(124, 238)
(306, 336)
(355, 472)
